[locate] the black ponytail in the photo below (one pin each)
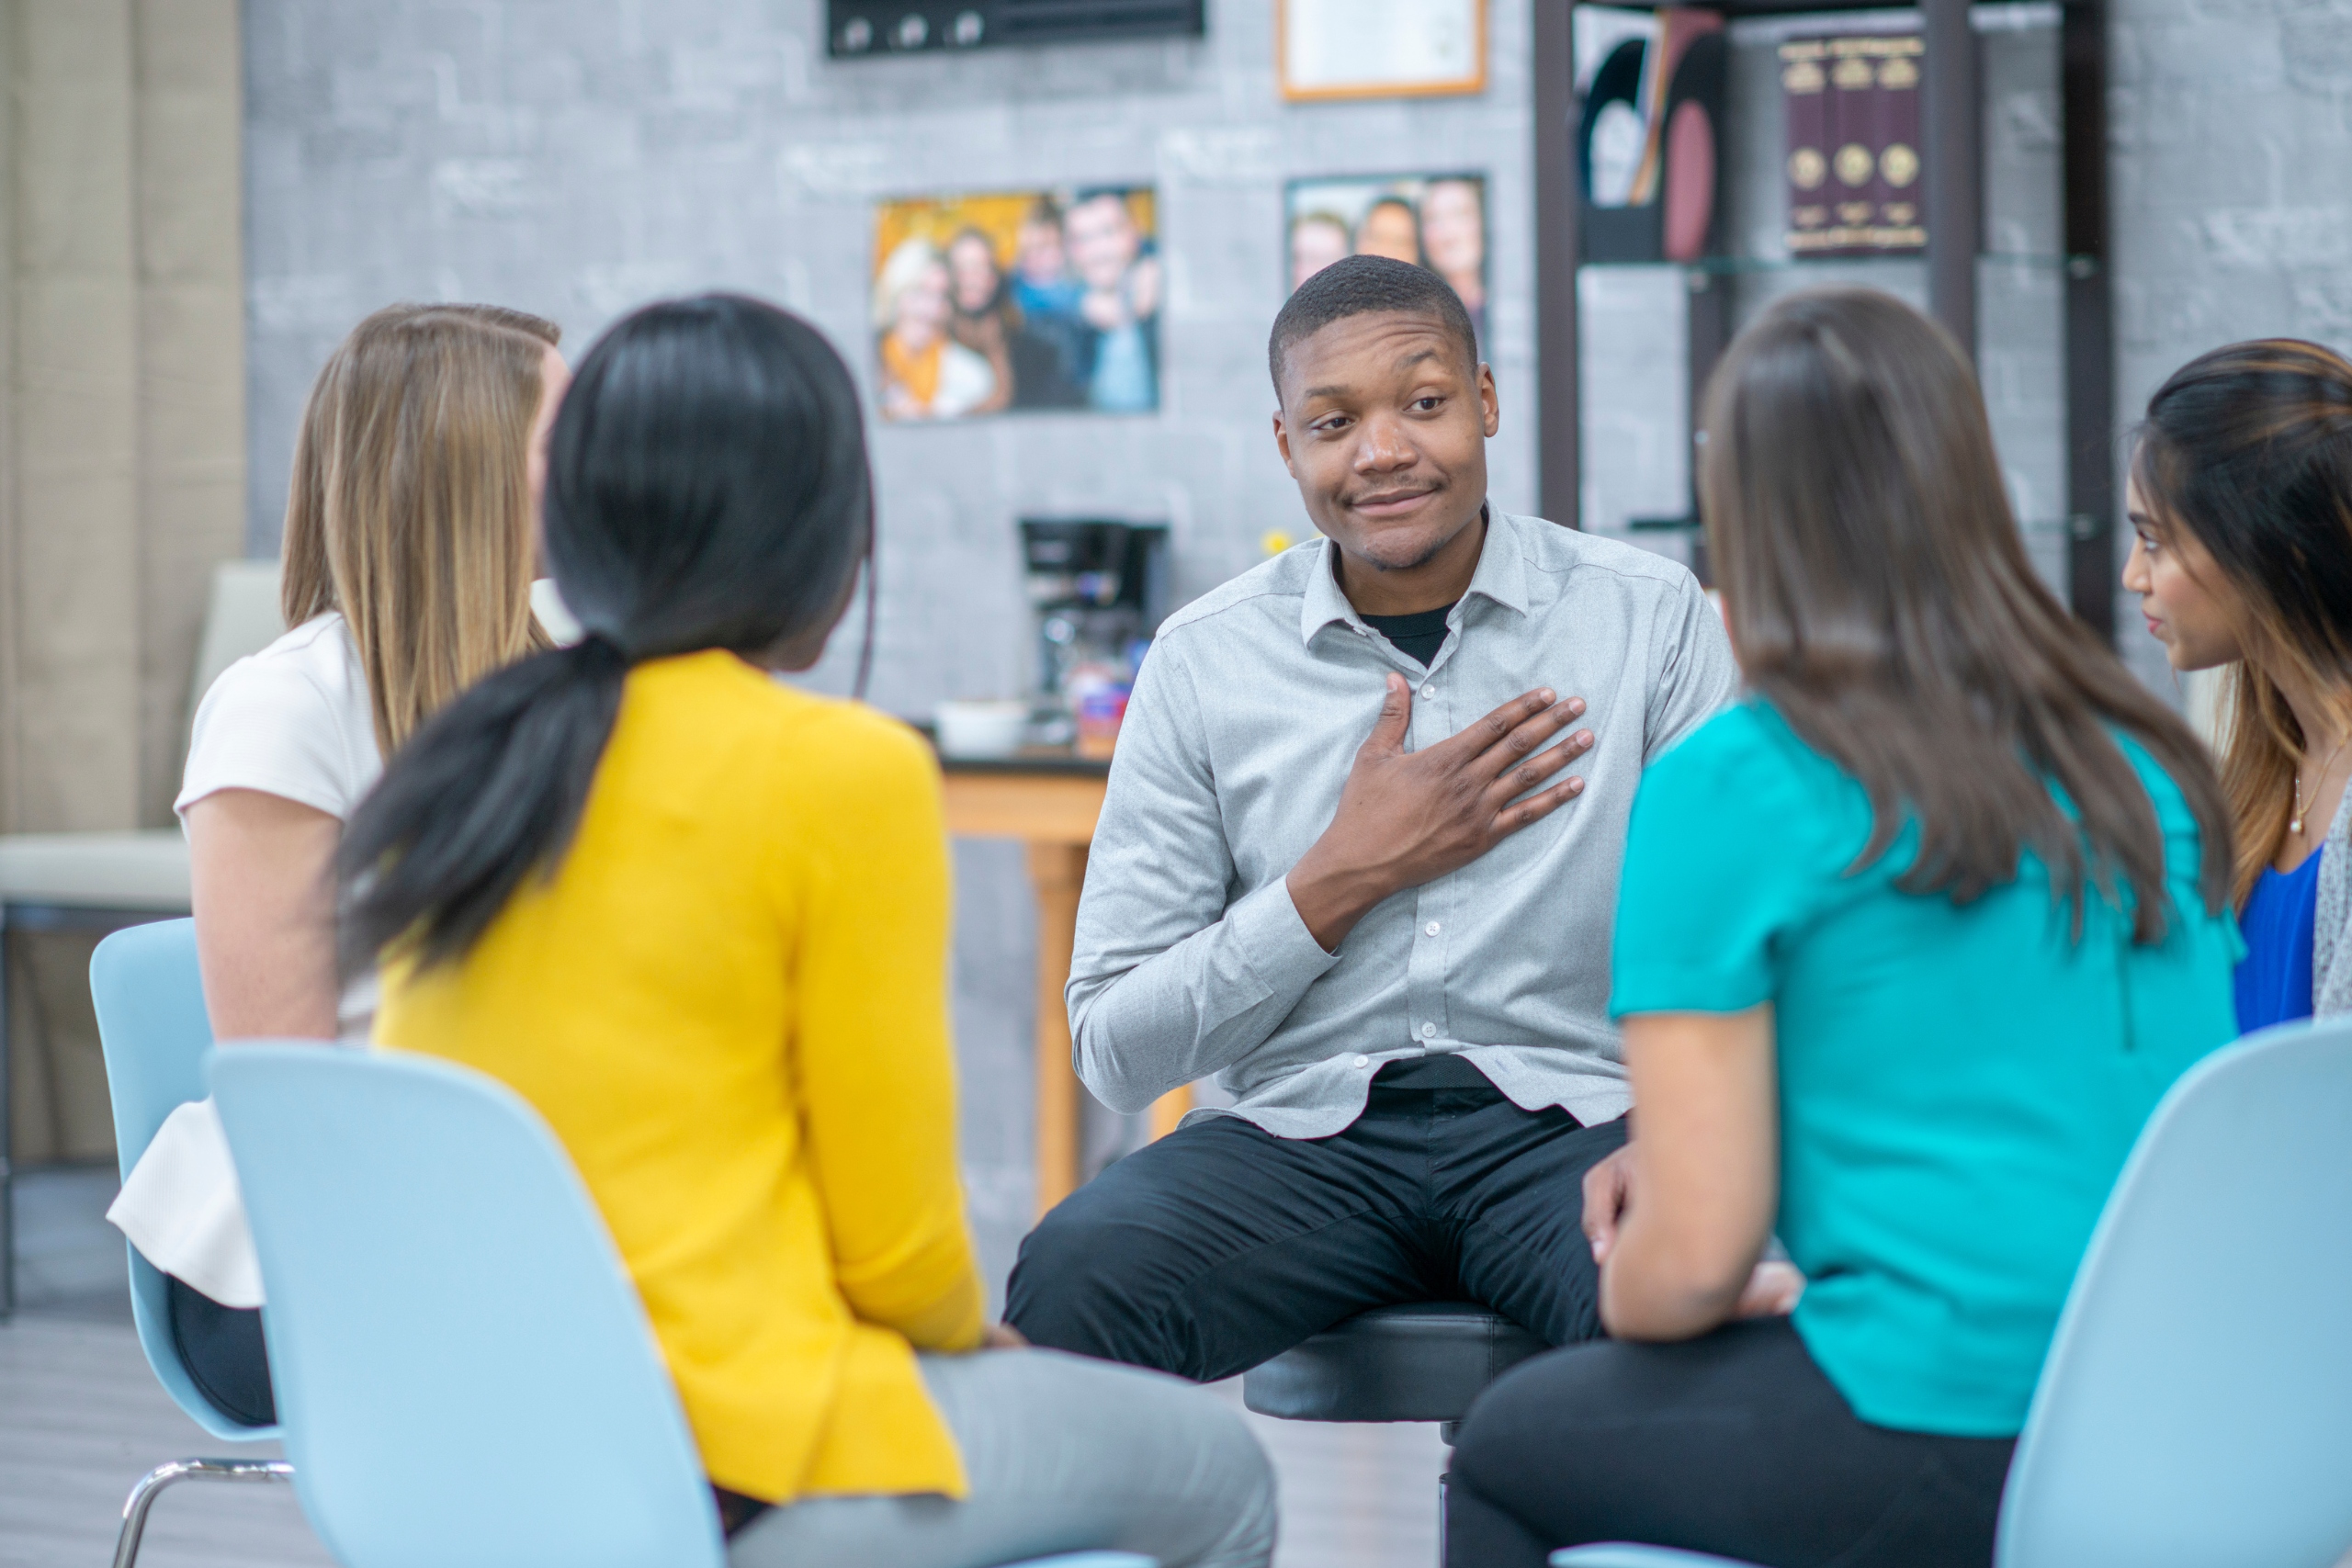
(707, 489)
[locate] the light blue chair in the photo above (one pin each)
(437, 1271)
(2196, 1408)
(152, 1028)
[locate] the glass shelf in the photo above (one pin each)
(2032, 528)
(1732, 266)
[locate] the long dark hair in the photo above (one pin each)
(1881, 599)
(707, 489)
(2249, 448)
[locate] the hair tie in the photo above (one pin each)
(604, 644)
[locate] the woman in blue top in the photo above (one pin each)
(2242, 501)
(1909, 942)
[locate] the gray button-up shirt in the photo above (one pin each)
(1190, 958)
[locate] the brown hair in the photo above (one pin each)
(2249, 448)
(1881, 599)
(409, 510)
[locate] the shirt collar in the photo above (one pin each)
(1502, 577)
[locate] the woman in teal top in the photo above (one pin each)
(1909, 944)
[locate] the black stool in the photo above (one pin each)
(1423, 1361)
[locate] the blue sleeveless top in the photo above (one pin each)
(2274, 980)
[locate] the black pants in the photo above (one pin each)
(1734, 1444)
(221, 1349)
(1221, 1246)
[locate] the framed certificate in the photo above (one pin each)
(1379, 49)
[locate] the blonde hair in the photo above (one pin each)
(409, 507)
(902, 270)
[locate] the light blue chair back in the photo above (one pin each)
(2196, 1406)
(151, 1025)
(436, 1272)
(465, 1373)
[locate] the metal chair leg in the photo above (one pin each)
(151, 1486)
(7, 1141)
(1445, 1431)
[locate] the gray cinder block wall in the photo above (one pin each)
(580, 156)
(2232, 136)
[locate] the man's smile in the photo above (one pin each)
(1391, 502)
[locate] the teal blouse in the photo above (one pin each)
(1958, 1083)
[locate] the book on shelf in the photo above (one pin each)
(1851, 104)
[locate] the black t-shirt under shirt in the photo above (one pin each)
(1418, 637)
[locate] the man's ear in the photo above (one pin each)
(1488, 399)
(1282, 443)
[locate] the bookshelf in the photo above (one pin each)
(1961, 280)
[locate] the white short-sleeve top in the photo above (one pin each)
(293, 721)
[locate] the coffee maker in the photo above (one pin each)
(1098, 589)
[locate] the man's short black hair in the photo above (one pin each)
(1365, 286)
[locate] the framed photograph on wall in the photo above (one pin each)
(1438, 221)
(1012, 301)
(1379, 49)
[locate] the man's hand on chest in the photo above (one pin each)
(1406, 817)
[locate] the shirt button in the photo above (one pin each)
(1363, 1061)
(1429, 1031)
(1428, 690)
(1429, 930)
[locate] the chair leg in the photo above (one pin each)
(151, 1486)
(1444, 1484)
(7, 1143)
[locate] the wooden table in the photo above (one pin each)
(1048, 800)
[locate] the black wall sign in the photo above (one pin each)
(857, 29)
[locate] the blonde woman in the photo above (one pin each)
(926, 373)
(409, 542)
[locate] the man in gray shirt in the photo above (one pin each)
(1343, 867)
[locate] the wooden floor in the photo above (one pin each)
(81, 1418)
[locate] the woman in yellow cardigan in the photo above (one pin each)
(699, 919)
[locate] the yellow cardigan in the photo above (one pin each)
(730, 1004)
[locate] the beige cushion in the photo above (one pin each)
(241, 618)
(147, 869)
(96, 871)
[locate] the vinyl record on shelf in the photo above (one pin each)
(1614, 97)
(1612, 140)
(1694, 108)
